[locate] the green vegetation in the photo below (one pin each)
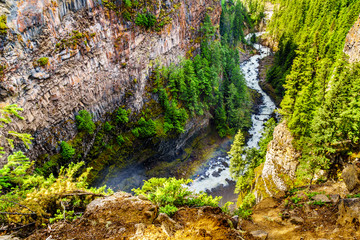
(142, 12)
(43, 61)
(84, 122)
(145, 128)
(243, 163)
(169, 194)
(232, 23)
(195, 87)
(146, 20)
(67, 152)
(244, 211)
(320, 88)
(27, 197)
(9, 138)
(3, 26)
(122, 116)
(242, 168)
(74, 40)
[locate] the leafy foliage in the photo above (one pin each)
(122, 116)
(3, 26)
(171, 193)
(84, 122)
(67, 152)
(244, 160)
(43, 196)
(7, 113)
(146, 20)
(145, 128)
(320, 88)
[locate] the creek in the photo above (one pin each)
(214, 176)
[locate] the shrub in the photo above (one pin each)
(84, 122)
(127, 3)
(170, 193)
(244, 211)
(168, 209)
(146, 20)
(120, 140)
(3, 26)
(122, 116)
(146, 129)
(108, 127)
(43, 61)
(67, 151)
(42, 197)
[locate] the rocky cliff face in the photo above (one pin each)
(280, 164)
(352, 44)
(66, 55)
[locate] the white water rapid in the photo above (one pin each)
(216, 173)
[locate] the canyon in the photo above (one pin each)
(107, 63)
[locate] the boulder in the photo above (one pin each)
(259, 234)
(296, 220)
(350, 175)
(322, 197)
(349, 212)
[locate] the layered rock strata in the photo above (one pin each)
(63, 56)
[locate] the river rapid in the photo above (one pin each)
(214, 177)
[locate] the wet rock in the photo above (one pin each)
(296, 220)
(321, 197)
(349, 212)
(259, 234)
(351, 177)
(216, 173)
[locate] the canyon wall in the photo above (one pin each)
(63, 56)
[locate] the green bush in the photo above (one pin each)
(120, 140)
(84, 122)
(127, 3)
(3, 26)
(145, 128)
(168, 209)
(67, 151)
(108, 127)
(146, 20)
(122, 116)
(244, 211)
(43, 61)
(170, 193)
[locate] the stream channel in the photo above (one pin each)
(214, 176)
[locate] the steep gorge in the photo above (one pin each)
(94, 60)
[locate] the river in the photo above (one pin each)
(214, 177)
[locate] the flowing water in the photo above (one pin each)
(214, 177)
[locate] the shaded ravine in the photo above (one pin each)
(214, 177)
